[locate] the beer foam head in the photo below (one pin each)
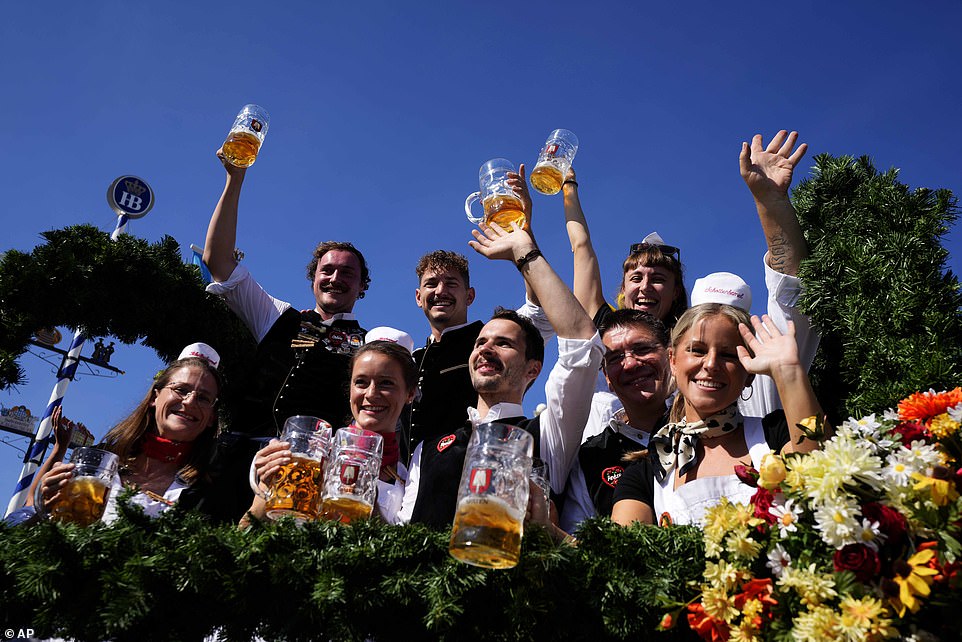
(201, 351)
(385, 333)
(722, 287)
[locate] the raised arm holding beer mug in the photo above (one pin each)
(301, 365)
(507, 358)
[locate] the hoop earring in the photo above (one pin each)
(751, 391)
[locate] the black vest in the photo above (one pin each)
(445, 384)
(600, 458)
(310, 380)
(442, 461)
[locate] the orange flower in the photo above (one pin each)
(707, 627)
(923, 406)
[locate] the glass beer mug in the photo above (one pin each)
(492, 497)
(500, 203)
(295, 490)
(554, 161)
(83, 500)
(246, 136)
(350, 481)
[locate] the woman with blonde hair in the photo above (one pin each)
(690, 465)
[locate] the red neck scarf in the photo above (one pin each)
(166, 450)
(391, 451)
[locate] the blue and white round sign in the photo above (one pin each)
(130, 196)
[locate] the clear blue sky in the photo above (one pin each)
(382, 112)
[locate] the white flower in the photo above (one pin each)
(956, 413)
(890, 415)
(899, 467)
(837, 521)
(922, 455)
(778, 560)
(786, 517)
(869, 534)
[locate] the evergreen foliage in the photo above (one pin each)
(128, 288)
(179, 578)
(876, 286)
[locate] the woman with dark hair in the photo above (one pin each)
(164, 445)
(383, 380)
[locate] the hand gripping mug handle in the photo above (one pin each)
(475, 196)
(255, 482)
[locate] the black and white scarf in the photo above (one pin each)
(676, 444)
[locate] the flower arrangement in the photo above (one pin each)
(856, 541)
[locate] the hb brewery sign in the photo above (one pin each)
(130, 196)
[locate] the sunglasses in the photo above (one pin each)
(667, 250)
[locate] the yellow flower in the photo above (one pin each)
(913, 578)
(722, 575)
(741, 544)
(942, 490)
(865, 618)
(772, 471)
(818, 624)
(718, 604)
(811, 586)
(943, 426)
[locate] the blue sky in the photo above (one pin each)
(382, 112)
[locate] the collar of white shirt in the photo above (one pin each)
(340, 316)
(496, 412)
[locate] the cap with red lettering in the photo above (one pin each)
(722, 287)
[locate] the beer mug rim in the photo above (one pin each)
(294, 420)
(343, 437)
(566, 135)
(494, 166)
(511, 437)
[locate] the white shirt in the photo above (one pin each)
(567, 392)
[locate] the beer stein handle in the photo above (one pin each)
(476, 196)
(255, 482)
(38, 501)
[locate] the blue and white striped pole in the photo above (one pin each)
(121, 227)
(45, 431)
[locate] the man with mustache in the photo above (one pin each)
(301, 366)
(445, 392)
(506, 359)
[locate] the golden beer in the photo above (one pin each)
(487, 532)
(345, 509)
(546, 178)
(296, 491)
(240, 148)
(82, 501)
(503, 210)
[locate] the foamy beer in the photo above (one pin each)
(554, 161)
(350, 479)
(83, 500)
(295, 491)
(500, 203)
(492, 497)
(246, 136)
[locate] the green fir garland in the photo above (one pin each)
(128, 288)
(179, 578)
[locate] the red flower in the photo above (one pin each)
(747, 475)
(910, 431)
(707, 627)
(762, 501)
(860, 559)
(891, 523)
